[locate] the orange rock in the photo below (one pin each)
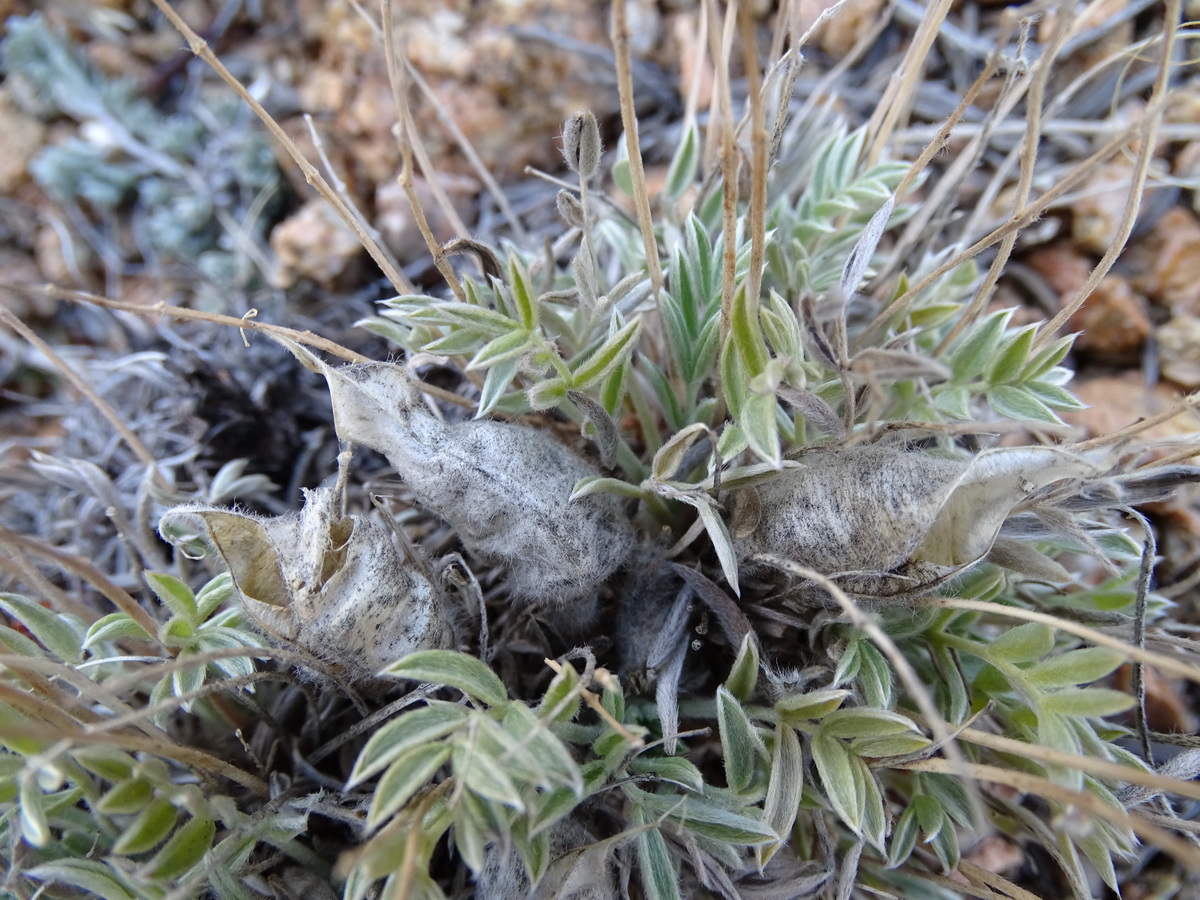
(1166, 708)
(1116, 401)
(1179, 351)
(313, 243)
(394, 219)
(1114, 323)
(1096, 215)
(1175, 279)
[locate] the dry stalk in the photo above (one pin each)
(1182, 850)
(1160, 661)
(201, 49)
(1154, 113)
(409, 143)
(897, 100)
(1025, 217)
(1028, 156)
(307, 338)
(637, 173)
(758, 161)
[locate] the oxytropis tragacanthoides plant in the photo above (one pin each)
(711, 590)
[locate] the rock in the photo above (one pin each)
(1179, 351)
(313, 243)
(1115, 401)
(394, 219)
(1175, 276)
(1114, 323)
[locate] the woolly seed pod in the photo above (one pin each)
(891, 522)
(504, 488)
(581, 144)
(333, 585)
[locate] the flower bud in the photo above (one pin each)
(581, 144)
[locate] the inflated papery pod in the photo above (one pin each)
(333, 585)
(504, 488)
(893, 522)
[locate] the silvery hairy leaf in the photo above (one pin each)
(504, 488)
(333, 585)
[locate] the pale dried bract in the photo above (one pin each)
(504, 488)
(333, 585)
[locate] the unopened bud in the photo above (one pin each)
(581, 144)
(569, 208)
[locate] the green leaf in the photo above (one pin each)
(670, 456)
(1045, 360)
(620, 171)
(1053, 396)
(888, 745)
(401, 734)
(496, 383)
(951, 795)
(953, 400)
(745, 333)
(1011, 359)
(562, 698)
(671, 769)
(595, 484)
(451, 669)
(526, 303)
(149, 829)
(722, 543)
(218, 591)
(837, 775)
(185, 849)
(784, 788)
(874, 821)
(904, 837)
(1020, 404)
(654, 862)
(978, 348)
(1089, 702)
(113, 627)
(408, 773)
(459, 342)
(705, 818)
(862, 721)
(478, 318)
(88, 875)
(507, 347)
(682, 172)
(483, 773)
(34, 826)
(803, 708)
(743, 677)
(175, 596)
(553, 762)
(534, 852)
(740, 742)
(758, 420)
(548, 393)
(1075, 667)
(126, 797)
(109, 763)
(51, 630)
(612, 353)
(1025, 643)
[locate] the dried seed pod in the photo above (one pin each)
(891, 522)
(333, 585)
(504, 488)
